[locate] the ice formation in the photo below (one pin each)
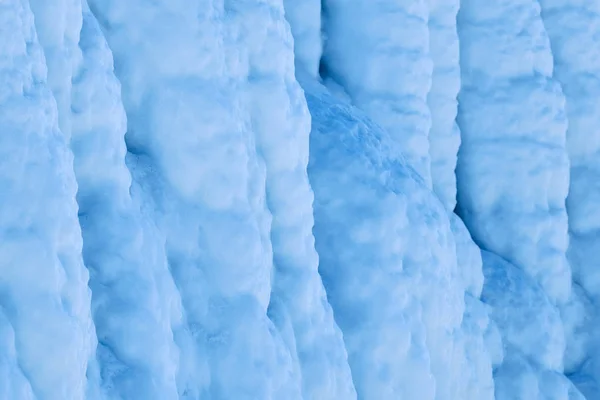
(573, 29)
(255, 199)
(378, 52)
(513, 127)
(47, 332)
(444, 135)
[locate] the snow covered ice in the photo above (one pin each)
(285, 199)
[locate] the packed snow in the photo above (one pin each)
(255, 199)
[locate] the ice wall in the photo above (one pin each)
(513, 176)
(444, 135)
(389, 263)
(304, 18)
(573, 28)
(132, 290)
(281, 125)
(193, 151)
(378, 52)
(513, 170)
(219, 136)
(46, 329)
(532, 333)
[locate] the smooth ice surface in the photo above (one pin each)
(378, 52)
(45, 325)
(513, 170)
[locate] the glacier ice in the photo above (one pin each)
(128, 271)
(47, 331)
(513, 170)
(367, 43)
(573, 30)
(391, 270)
(255, 199)
(444, 135)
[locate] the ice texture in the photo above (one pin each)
(304, 18)
(444, 135)
(532, 332)
(46, 329)
(513, 169)
(378, 52)
(254, 199)
(573, 28)
(245, 245)
(388, 261)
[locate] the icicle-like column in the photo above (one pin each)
(281, 124)
(444, 136)
(532, 334)
(574, 28)
(388, 258)
(513, 170)
(378, 52)
(43, 282)
(205, 90)
(132, 312)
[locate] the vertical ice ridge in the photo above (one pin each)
(513, 170)
(390, 271)
(513, 176)
(444, 136)
(304, 18)
(532, 332)
(183, 73)
(379, 53)
(40, 235)
(58, 25)
(136, 354)
(573, 28)
(281, 124)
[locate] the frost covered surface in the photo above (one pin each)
(390, 271)
(573, 28)
(513, 170)
(46, 330)
(378, 52)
